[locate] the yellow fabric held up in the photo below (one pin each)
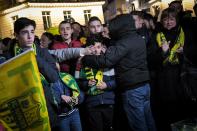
(173, 56)
(22, 101)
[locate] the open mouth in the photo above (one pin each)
(65, 35)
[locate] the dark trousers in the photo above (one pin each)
(100, 118)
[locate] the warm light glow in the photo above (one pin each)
(20, 0)
(151, 1)
(26, 5)
(22, 6)
(66, 4)
(136, 3)
(56, 14)
(187, 4)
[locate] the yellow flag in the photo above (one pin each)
(22, 102)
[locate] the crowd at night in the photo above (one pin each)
(136, 72)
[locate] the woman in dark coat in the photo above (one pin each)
(165, 53)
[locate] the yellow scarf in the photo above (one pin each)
(65, 77)
(173, 56)
(18, 50)
(98, 76)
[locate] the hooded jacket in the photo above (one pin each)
(127, 54)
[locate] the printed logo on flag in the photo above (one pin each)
(22, 102)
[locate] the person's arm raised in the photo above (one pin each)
(69, 53)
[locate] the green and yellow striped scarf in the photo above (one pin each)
(173, 55)
(94, 74)
(66, 78)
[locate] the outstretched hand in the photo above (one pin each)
(90, 50)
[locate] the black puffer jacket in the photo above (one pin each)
(127, 54)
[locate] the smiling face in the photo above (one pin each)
(169, 18)
(66, 31)
(26, 37)
(169, 22)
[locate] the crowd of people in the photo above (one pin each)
(135, 73)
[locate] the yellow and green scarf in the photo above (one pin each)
(66, 78)
(18, 50)
(94, 74)
(71, 83)
(173, 55)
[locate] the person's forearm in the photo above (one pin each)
(67, 53)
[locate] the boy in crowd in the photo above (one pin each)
(96, 30)
(68, 97)
(99, 86)
(24, 30)
(66, 31)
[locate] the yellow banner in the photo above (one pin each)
(22, 102)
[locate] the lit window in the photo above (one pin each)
(87, 15)
(67, 15)
(46, 19)
(132, 7)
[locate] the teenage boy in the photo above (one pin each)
(66, 31)
(99, 86)
(24, 30)
(96, 31)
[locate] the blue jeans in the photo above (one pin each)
(71, 122)
(136, 103)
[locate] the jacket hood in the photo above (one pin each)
(121, 25)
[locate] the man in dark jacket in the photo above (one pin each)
(128, 56)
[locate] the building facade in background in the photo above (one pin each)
(47, 13)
